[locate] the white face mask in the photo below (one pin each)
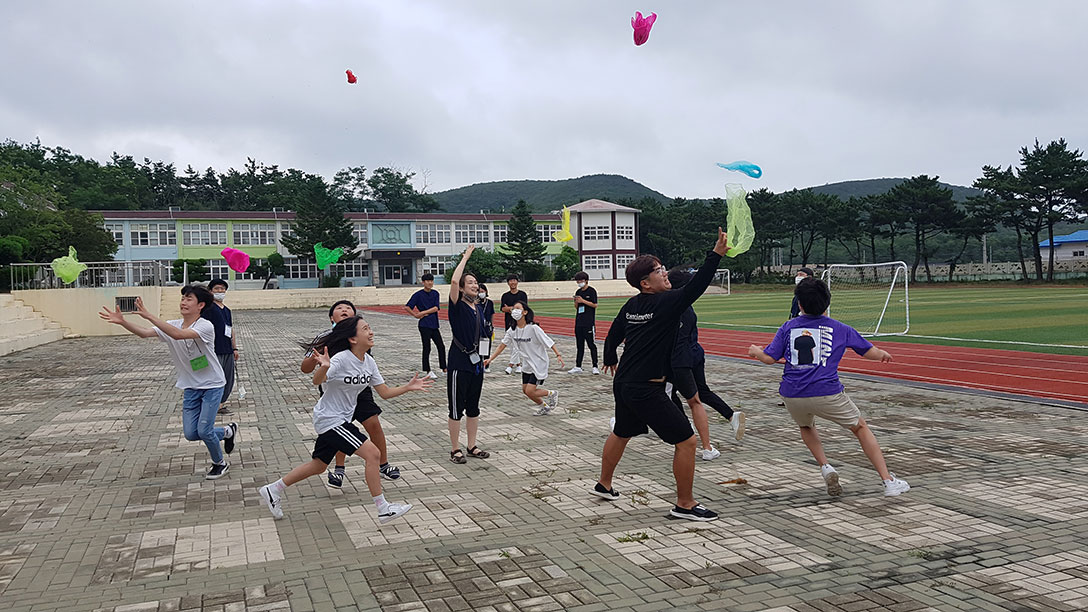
(516, 313)
(797, 280)
(482, 296)
(581, 285)
(219, 297)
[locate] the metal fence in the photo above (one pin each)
(149, 273)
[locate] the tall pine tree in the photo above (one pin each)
(318, 218)
(524, 248)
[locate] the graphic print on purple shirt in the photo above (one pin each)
(813, 347)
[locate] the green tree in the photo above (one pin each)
(349, 187)
(566, 264)
(487, 266)
(524, 248)
(931, 211)
(198, 270)
(318, 218)
(393, 190)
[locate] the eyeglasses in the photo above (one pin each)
(658, 270)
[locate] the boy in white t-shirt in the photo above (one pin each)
(346, 369)
(532, 344)
(191, 342)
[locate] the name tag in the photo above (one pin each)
(199, 363)
(485, 346)
(581, 309)
(474, 358)
(227, 331)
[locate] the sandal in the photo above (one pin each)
(457, 456)
(479, 454)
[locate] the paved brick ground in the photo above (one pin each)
(102, 505)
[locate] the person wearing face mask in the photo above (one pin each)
(226, 347)
(533, 344)
(507, 302)
(585, 311)
(802, 274)
(488, 335)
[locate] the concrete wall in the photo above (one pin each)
(77, 309)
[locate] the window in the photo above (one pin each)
(1078, 253)
(254, 233)
(436, 265)
(251, 273)
(597, 262)
(623, 260)
(153, 234)
(432, 233)
(287, 230)
(625, 232)
(500, 234)
(117, 230)
(217, 268)
(545, 230)
(471, 233)
(300, 268)
(351, 269)
(596, 232)
(203, 234)
(359, 233)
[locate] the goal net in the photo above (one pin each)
(871, 298)
(722, 278)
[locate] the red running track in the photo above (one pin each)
(1060, 377)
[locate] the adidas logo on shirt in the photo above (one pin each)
(357, 380)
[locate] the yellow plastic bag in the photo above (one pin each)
(740, 229)
(564, 235)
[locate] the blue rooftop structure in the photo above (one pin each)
(1077, 236)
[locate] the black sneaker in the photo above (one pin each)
(698, 513)
(228, 443)
(335, 480)
(389, 472)
(217, 471)
(603, 493)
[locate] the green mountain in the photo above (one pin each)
(858, 189)
(543, 195)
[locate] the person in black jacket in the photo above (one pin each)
(802, 274)
(645, 324)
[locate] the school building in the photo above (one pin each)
(394, 248)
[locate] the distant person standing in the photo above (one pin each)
(424, 305)
(802, 274)
(226, 347)
(585, 314)
(488, 332)
(507, 302)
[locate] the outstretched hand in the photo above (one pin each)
(722, 245)
(469, 250)
(322, 357)
(419, 384)
(112, 316)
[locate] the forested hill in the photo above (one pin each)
(858, 189)
(543, 195)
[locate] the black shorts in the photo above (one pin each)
(344, 438)
(644, 405)
(365, 406)
(528, 378)
(463, 392)
(683, 380)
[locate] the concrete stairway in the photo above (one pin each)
(22, 328)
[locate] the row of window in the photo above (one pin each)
(604, 262)
(215, 234)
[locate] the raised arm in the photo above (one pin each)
(115, 317)
(455, 280)
(698, 283)
(176, 333)
(416, 384)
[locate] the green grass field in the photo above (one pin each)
(1038, 315)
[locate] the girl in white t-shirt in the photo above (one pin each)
(533, 344)
(346, 370)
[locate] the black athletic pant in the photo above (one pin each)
(428, 335)
(584, 335)
(706, 396)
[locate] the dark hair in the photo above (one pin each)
(808, 271)
(336, 340)
(813, 296)
(215, 282)
(640, 268)
(338, 302)
(528, 314)
(678, 277)
(200, 292)
(581, 276)
(510, 277)
(427, 277)
(464, 275)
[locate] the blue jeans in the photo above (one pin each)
(199, 407)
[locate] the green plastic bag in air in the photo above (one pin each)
(740, 229)
(68, 268)
(326, 257)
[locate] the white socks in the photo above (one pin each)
(379, 501)
(278, 486)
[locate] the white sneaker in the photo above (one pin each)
(431, 375)
(831, 477)
(553, 399)
(895, 486)
(737, 423)
(273, 501)
(544, 409)
(574, 370)
(509, 370)
(392, 511)
(518, 370)
(487, 370)
(710, 454)
(596, 371)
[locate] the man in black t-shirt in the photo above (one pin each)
(585, 313)
(507, 302)
(647, 325)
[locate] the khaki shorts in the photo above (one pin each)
(838, 409)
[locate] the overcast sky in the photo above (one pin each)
(475, 91)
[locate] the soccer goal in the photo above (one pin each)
(871, 298)
(722, 278)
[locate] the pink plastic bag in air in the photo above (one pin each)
(237, 260)
(642, 26)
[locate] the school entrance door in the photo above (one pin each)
(391, 275)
